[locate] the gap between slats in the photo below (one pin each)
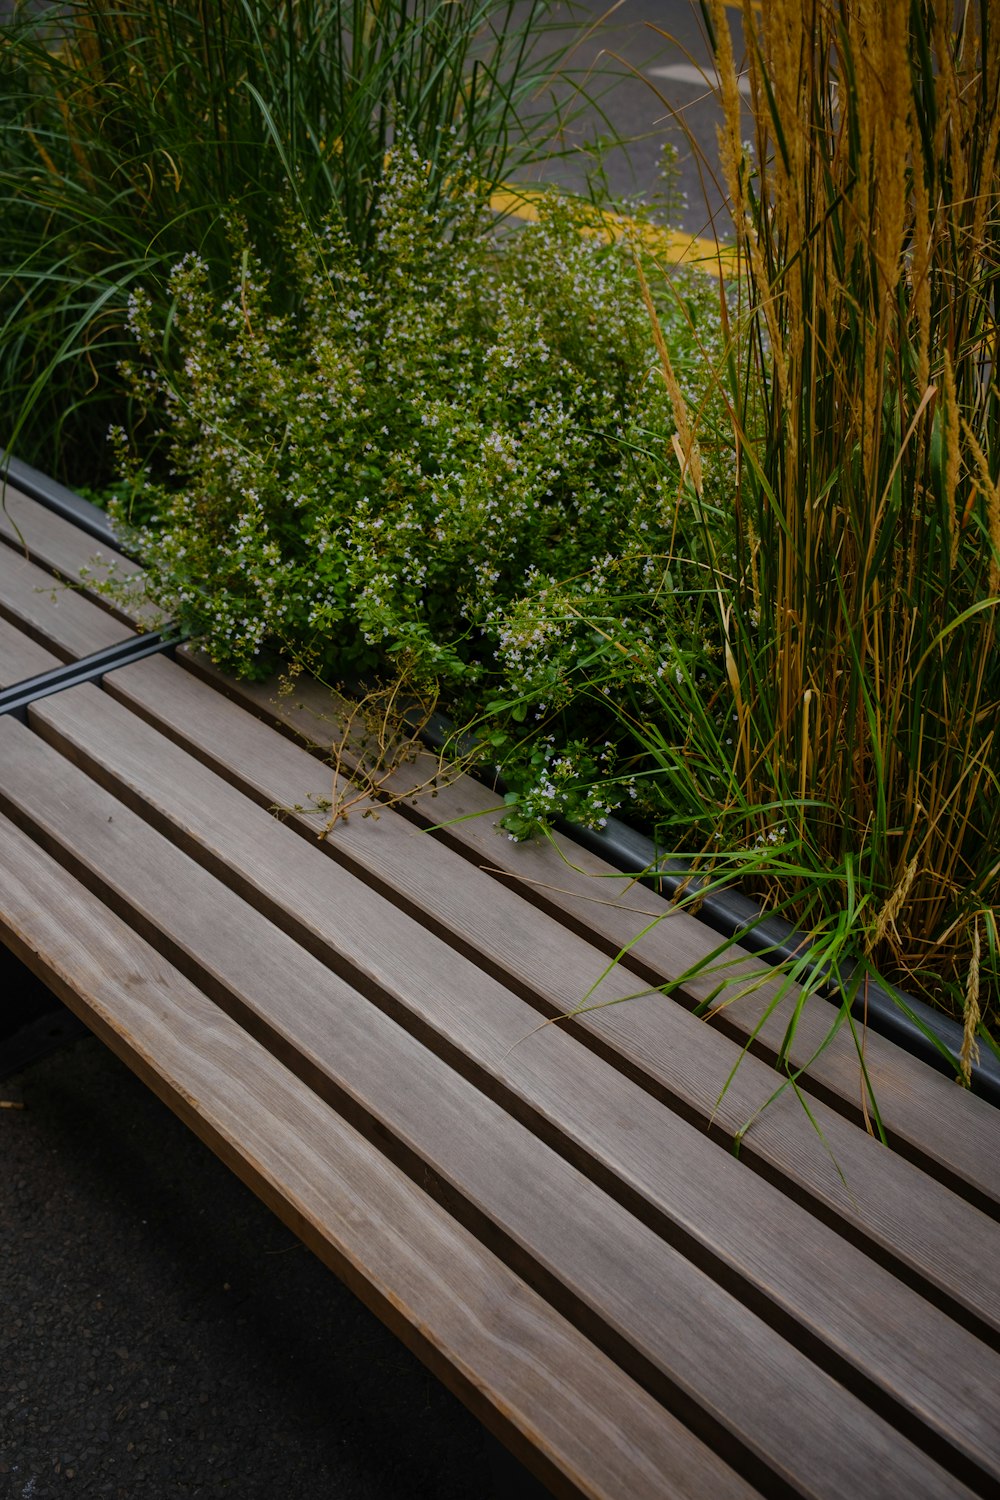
(633, 963)
(188, 739)
(511, 1320)
(819, 1081)
(910, 1274)
(848, 1373)
(651, 1376)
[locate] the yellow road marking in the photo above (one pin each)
(670, 245)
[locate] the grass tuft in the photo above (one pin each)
(841, 755)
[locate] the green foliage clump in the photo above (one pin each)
(130, 132)
(438, 467)
(837, 753)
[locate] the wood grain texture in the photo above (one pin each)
(51, 613)
(20, 657)
(906, 1217)
(896, 1208)
(849, 1312)
(945, 1130)
(430, 1059)
(918, 1107)
(64, 550)
(517, 1364)
(911, 1219)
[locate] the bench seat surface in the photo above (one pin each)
(445, 1059)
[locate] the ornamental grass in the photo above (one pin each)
(132, 134)
(841, 757)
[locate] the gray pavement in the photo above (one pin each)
(641, 62)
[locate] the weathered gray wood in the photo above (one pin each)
(525, 1199)
(62, 549)
(910, 1217)
(520, 1367)
(647, 1294)
(838, 1299)
(52, 613)
(912, 1221)
(20, 657)
(919, 1108)
(898, 1209)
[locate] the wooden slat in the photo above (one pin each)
(919, 1107)
(847, 1307)
(517, 1364)
(240, 952)
(53, 613)
(908, 1220)
(909, 1216)
(63, 549)
(709, 1348)
(20, 657)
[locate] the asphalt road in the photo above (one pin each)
(638, 64)
(641, 66)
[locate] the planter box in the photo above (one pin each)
(551, 1215)
(631, 851)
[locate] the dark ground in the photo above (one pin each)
(163, 1335)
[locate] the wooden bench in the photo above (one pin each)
(551, 1215)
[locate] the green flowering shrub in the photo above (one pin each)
(447, 462)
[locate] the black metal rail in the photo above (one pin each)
(58, 498)
(15, 698)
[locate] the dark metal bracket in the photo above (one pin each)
(16, 698)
